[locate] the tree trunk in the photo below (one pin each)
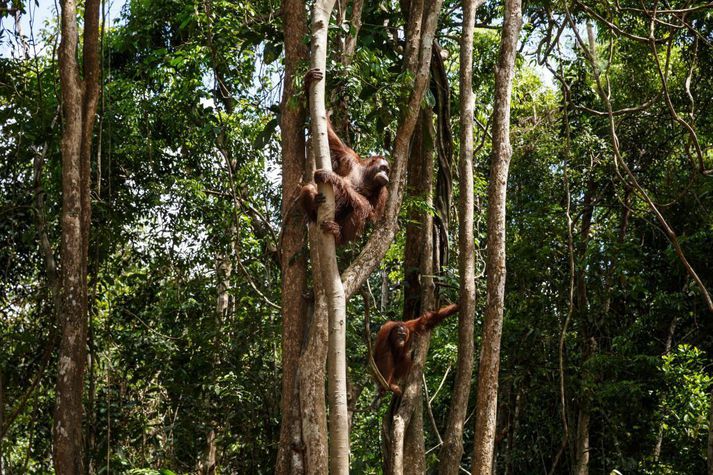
(79, 103)
(328, 269)
(487, 397)
(419, 184)
(709, 447)
(211, 453)
(452, 449)
(414, 448)
(311, 374)
(589, 344)
(346, 46)
(292, 258)
(443, 195)
(582, 443)
(513, 433)
(666, 351)
(384, 290)
(223, 269)
(418, 259)
(421, 27)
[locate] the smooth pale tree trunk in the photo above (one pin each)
(328, 269)
(452, 449)
(487, 396)
(293, 264)
(79, 103)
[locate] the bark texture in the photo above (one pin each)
(293, 264)
(328, 269)
(452, 449)
(79, 104)
(312, 403)
(487, 397)
(419, 185)
(421, 26)
(582, 443)
(419, 253)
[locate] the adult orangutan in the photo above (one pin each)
(360, 191)
(392, 350)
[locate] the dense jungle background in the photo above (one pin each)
(607, 340)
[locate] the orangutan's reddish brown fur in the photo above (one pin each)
(392, 351)
(360, 190)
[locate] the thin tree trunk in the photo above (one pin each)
(512, 434)
(418, 258)
(292, 260)
(413, 14)
(487, 397)
(328, 269)
(419, 181)
(311, 374)
(346, 49)
(443, 195)
(421, 26)
(79, 102)
(92, 72)
(384, 290)
(452, 449)
(351, 39)
(414, 447)
(68, 416)
(709, 447)
(582, 443)
(211, 453)
(666, 351)
(223, 270)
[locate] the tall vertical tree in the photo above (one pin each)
(79, 104)
(487, 397)
(452, 449)
(293, 262)
(421, 27)
(419, 289)
(328, 269)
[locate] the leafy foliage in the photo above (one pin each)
(186, 212)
